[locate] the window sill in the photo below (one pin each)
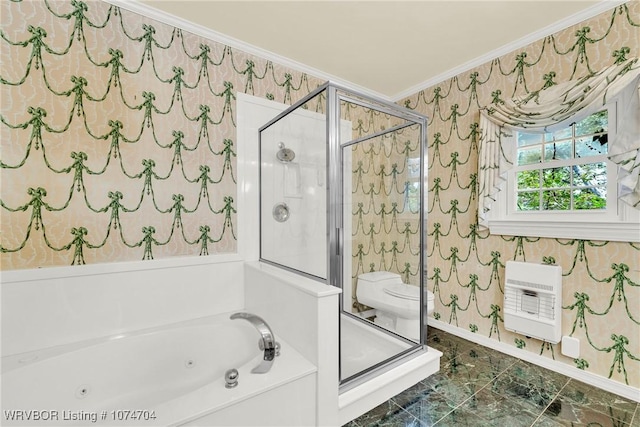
(582, 230)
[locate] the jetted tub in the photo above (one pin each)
(171, 375)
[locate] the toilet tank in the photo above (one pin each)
(380, 278)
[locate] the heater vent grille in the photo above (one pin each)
(533, 303)
(533, 309)
(524, 284)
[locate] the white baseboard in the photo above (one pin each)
(615, 387)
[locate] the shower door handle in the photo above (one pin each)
(339, 240)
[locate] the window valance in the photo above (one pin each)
(556, 107)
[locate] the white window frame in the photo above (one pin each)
(619, 222)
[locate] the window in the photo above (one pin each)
(562, 185)
(566, 170)
(412, 186)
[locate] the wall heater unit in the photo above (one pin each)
(533, 300)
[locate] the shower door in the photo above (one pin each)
(293, 189)
(382, 168)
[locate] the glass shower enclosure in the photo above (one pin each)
(342, 201)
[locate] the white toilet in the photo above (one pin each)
(397, 304)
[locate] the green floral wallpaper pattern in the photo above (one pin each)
(465, 265)
(118, 135)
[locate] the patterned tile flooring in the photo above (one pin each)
(478, 386)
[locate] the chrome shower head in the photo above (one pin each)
(285, 155)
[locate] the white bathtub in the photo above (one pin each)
(172, 375)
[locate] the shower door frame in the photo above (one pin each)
(335, 206)
(277, 118)
(336, 209)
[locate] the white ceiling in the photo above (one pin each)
(389, 47)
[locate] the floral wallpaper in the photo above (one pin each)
(465, 265)
(118, 135)
(118, 144)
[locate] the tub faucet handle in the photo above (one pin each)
(231, 378)
(277, 347)
(267, 340)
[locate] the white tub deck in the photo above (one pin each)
(171, 375)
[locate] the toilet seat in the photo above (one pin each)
(401, 290)
(397, 304)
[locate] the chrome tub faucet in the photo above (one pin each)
(267, 340)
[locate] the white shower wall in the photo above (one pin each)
(300, 242)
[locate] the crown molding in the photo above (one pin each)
(574, 19)
(166, 18)
(150, 12)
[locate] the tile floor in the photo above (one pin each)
(477, 386)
